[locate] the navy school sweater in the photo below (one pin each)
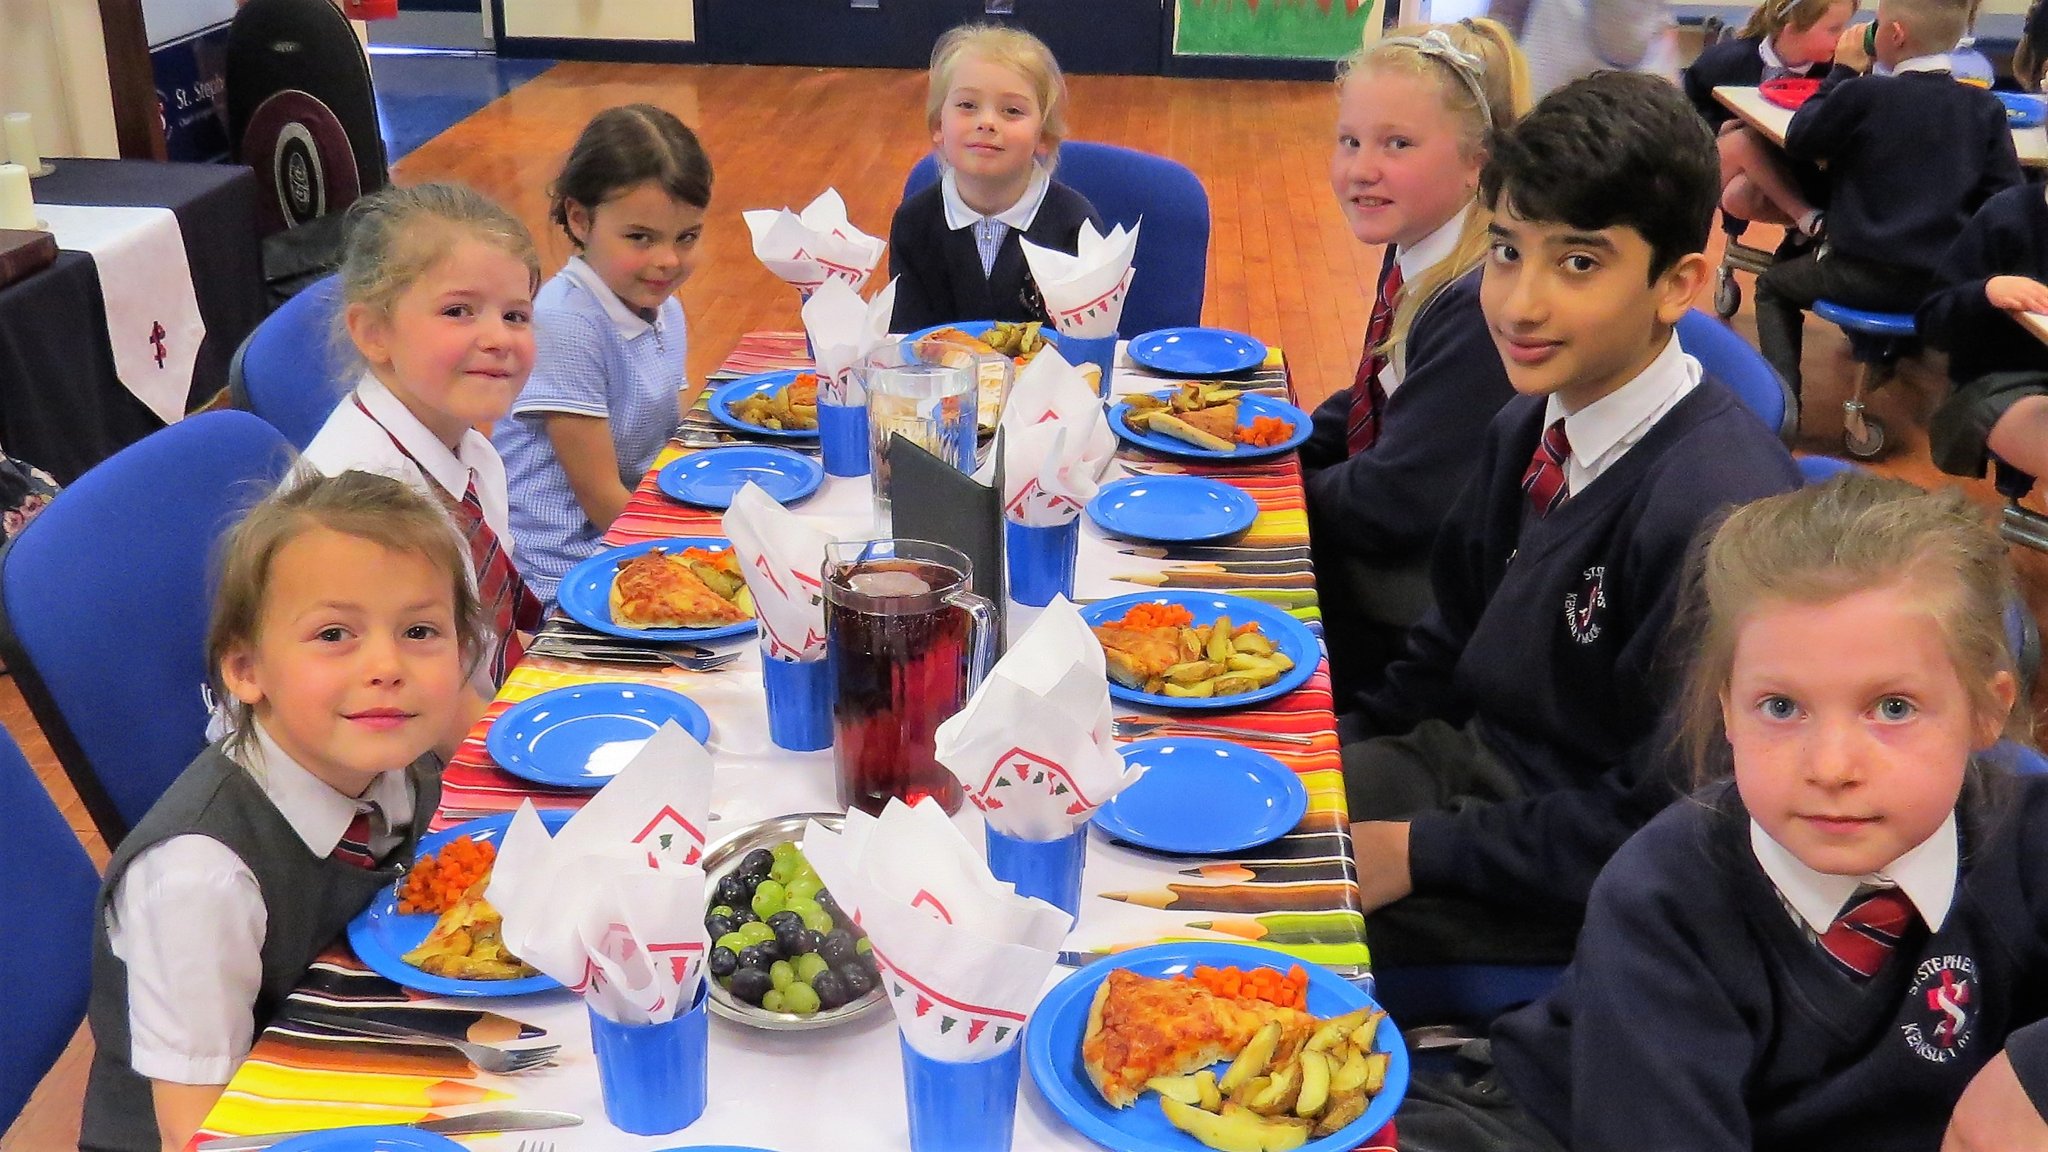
(1386, 504)
(1910, 157)
(1549, 633)
(938, 269)
(1698, 1015)
(2007, 237)
(1734, 61)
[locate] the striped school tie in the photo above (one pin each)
(1863, 936)
(1544, 481)
(354, 845)
(509, 605)
(1368, 398)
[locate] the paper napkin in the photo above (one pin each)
(1033, 748)
(613, 905)
(963, 957)
(808, 248)
(1085, 292)
(783, 558)
(1058, 443)
(844, 330)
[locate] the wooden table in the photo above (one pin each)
(1771, 120)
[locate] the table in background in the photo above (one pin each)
(1771, 120)
(62, 406)
(842, 1087)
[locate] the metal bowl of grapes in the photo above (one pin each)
(784, 955)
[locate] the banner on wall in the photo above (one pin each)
(188, 57)
(1274, 29)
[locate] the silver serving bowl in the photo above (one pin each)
(726, 856)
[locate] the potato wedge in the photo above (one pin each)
(1252, 644)
(1252, 1061)
(1350, 1076)
(1191, 672)
(1233, 684)
(1202, 691)
(1212, 1096)
(1315, 1085)
(1185, 1089)
(1219, 642)
(1282, 1089)
(1344, 1109)
(1236, 1130)
(1375, 1073)
(1253, 665)
(1337, 1030)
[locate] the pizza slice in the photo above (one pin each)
(957, 338)
(1218, 420)
(656, 590)
(1140, 1028)
(1137, 655)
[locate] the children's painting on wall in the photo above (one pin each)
(1291, 29)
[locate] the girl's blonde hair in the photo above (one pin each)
(1817, 544)
(1015, 49)
(1774, 16)
(380, 509)
(1501, 77)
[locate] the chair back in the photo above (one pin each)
(288, 371)
(104, 600)
(301, 110)
(1728, 358)
(49, 886)
(1124, 185)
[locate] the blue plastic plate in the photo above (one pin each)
(1197, 351)
(381, 934)
(1052, 1049)
(1288, 635)
(981, 327)
(711, 478)
(726, 395)
(580, 737)
(2021, 110)
(1203, 796)
(586, 591)
(376, 1138)
(1172, 509)
(1249, 405)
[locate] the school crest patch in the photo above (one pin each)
(1583, 605)
(1940, 1013)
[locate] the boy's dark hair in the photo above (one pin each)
(625, 146)
(1614, 149)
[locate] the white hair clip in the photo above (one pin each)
(1467, 67)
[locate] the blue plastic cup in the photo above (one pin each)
(1047, 869)
(961, 1107)
(1041, 560)
(1100, 352)
(799, 702)
(653, 1076)
(843, 434)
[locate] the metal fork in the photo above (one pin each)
(708, 661)
(502, 1060)
(536, 1146)
(1132, 728)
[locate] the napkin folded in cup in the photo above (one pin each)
(1057, 442)
(1085, 292)
(782, 557)
(613, 905)
(1033, 748)
(808, 248)
(963, 957)
(844, 330)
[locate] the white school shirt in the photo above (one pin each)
(990, 231)
(1413, 261)
(188, 920)
(1603, 431)
(1926, 873)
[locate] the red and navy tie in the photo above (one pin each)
(1368, 397)
(1544, 482)
(1863, 936)
(506, 600)
(354, 845)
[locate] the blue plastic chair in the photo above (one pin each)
(288, 371)
(104, 600)
(48, 887)
(1124, 184)
(1725, 356)
(1876, 340)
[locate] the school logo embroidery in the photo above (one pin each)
(1582, 606)
(1938, 1011)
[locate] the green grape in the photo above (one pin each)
(787, 850)
(724, 910)
(862, 946)
(818, 920)
(801, 999)
(805, 886)
(801, 905)
(776, 1000)
(808, 966)
(734, 940)
(753, 932)
(767, 900)
(782, 975)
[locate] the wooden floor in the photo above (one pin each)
(1281, 262)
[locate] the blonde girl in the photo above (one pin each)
(342, 631)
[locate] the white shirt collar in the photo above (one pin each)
(1932, 62)
(628, 322)
(1603, 430)
(450, 470)
(1926, 874)
(317, 812)
(1432, 249)
(1018, 216)
(1769, 53)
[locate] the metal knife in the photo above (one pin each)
(503, 1120)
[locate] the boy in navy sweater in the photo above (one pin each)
(1995, 269)
(1504, 763)
(1910, 157)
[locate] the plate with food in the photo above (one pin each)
(583, 735)
(434, 931)
(1210, 422)
(779, 404)
(1019, 340)
(784, 956)
(712, 477)
(1202, 796)
(1172, 509)
(1174, 1047)
(1197, 351)
(684, 588)
(1200, 649)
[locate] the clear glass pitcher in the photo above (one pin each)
(926, 394)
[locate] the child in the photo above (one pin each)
(1509, 760)
(1844, 946)
(1389, 453)
(437, 293)
(1782, 38)
(607, 391)
(1910, 156)
(997, 110)
(343, 627)
(1994, 270)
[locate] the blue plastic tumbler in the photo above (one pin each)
(799, 702)
(1100, 352)
(1047, 869)
(961, 1107)
(843, 435)
(653, 1076)
(1041, 560)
